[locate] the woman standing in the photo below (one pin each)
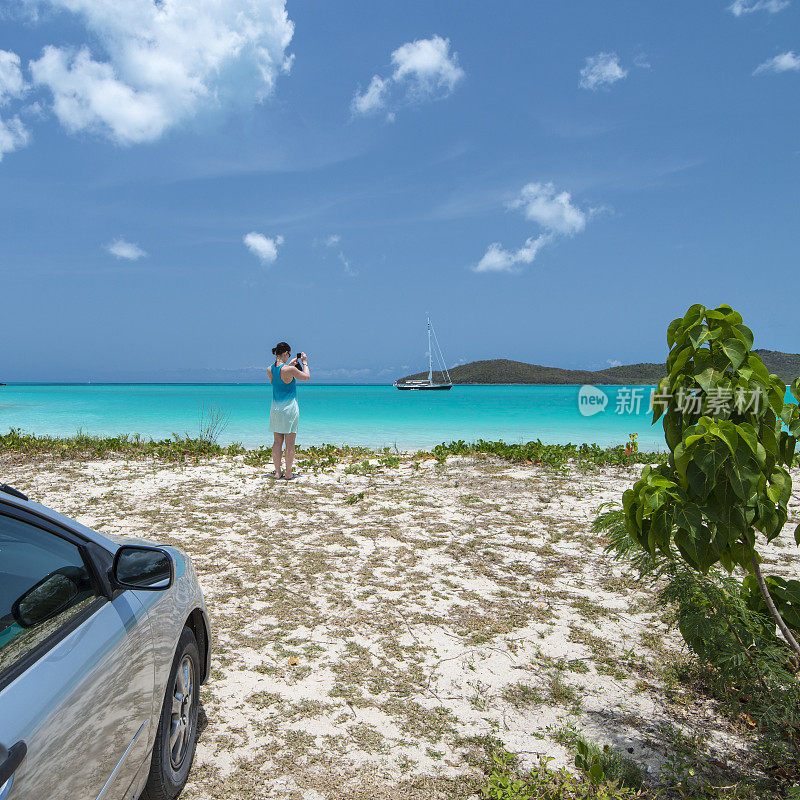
(284, 415)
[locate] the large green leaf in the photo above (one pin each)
(787, 448)
(671, 330)
(749, 435)
(736, 351)
(693, 314)
(711, 455)
(768, 519)
(745, 335)
(689, 517)
(757, 365)
(696, 548)
(698, 335)
(673, 429)
(743, 473)
(700, 483)
(707, 379)
(780, 488)
(676, 360)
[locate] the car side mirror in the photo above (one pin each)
(48, 598)
(139, 567)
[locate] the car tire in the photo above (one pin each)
(173, 749)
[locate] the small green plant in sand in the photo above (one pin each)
(505, 780)
(364, 467)
(601, 764)
(211, 422)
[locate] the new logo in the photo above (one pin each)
(591, 400)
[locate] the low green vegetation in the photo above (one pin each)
(601, 773)
(557, 456)
(506, 780)
(82, 445)
(315, 458)
(601, 764)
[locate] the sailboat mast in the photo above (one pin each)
(430, 354)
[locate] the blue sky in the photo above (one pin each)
(184, 183)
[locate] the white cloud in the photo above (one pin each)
(12, 84)
(163, 62)
(741, 7)
(601, 70)
(13, 133)
(348, 269)
(553, 210)
(372, 99)
(120, 248)
(263, 247)
(498, 259)
(333, 241)
(785, 62)
(428, 66)
(424, 69)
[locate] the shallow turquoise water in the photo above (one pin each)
(352, 414)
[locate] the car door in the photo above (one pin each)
(76, 670)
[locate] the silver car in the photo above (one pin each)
(103, 645)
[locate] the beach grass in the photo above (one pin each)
(181, 447)
(84, 445)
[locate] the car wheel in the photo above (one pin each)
(174, 745)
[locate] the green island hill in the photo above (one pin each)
(502, 370)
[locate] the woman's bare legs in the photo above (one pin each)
(290, 437)
(277, 449)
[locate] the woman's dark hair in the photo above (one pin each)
(281, 348)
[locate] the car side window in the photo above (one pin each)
(44, 582)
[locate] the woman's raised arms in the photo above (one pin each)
(292, 372)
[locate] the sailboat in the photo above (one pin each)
(428, 385)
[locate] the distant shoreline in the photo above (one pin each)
(784, 365)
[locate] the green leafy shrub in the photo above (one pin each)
(726, 479)
(725, 482)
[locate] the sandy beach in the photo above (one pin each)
(375, 622)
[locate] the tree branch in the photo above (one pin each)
(779, 621)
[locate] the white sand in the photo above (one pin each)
(359, 643)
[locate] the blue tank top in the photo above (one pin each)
(281, 392)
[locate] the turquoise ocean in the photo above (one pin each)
(370, 415)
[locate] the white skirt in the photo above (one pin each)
(284, 417)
